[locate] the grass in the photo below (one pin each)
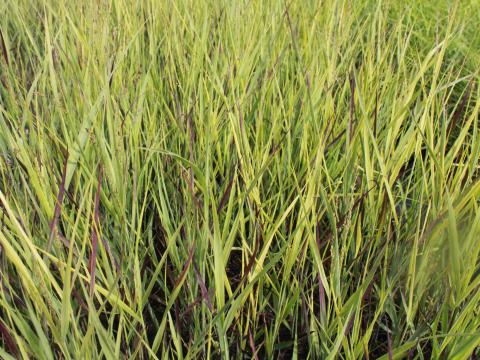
(239, 179)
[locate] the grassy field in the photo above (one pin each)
(239, 179)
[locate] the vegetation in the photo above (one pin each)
(239, 179)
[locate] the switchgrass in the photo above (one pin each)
(239, 179)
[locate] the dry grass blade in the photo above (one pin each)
(4, 49)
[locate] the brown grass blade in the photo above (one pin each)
(352, 106)
(389, 344)
(186, 266)
(4, 48)
(459, 112)
(95, 233)
(202, 286)
(252, 345)
(226, 194)
(10, 344)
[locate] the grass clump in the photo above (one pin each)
(239, 179)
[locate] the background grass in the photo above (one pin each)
(239, 179)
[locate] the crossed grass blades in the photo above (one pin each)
(239, 179)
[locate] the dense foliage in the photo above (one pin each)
(239, 179)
